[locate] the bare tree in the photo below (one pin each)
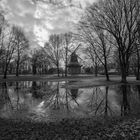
(67, 40)
(53, 50)
(22, 44)
(3, 25)
(137, 54)
(119, 18)
(34, 61)
(90, 55)
(8, 43)
(39, 61)
(135, 61)
(97, 40)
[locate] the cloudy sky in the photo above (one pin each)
(40, 19)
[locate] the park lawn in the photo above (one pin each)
(78, 81)
(127, 128)
(43, 77)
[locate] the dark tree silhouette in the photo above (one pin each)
(97, 42)
(118, 18)
(53, 50)
(67, 40)
(22, 44)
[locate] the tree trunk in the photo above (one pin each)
(66, 69)
(106, 73)
(106, 70)
(17, 69)
(58, 69)
(138, 74)
(96, 69)
(123, 75)
(138, 66)
(34, 69)
(5, 71)
(5, 74)
(66, 63)
(123, 66)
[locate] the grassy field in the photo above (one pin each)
(82, 129)
(80, 81)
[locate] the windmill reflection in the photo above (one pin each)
(71, 97)
(74, 93)
(62, 99)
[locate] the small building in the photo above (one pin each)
(74, 67)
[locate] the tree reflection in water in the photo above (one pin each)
(36, 90)
(71, 97)
(62, 98)
(135, 99)
(41, 100)
(99, 102)
(17, 92)
(138, 88)
(125, 105)
(57, 98)
(106, 102)
(4, 97)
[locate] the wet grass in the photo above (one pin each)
(81, 81)
(72, 129)
(44, 77)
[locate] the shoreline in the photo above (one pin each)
(81, 81)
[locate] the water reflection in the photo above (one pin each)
(43, 101)
(125, 106)
(138, 88)
(106, 102)
(4, 96)
(17, 93)
(102, 102)
(36, 90)
(74, 93)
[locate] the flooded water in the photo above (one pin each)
(51, 101)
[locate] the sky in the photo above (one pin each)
(40, 19)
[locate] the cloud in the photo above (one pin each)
(40, 20)
(55, 20)
(42, 34)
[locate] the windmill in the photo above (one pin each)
(74, 67)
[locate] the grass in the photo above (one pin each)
(72, 129)
(43, 77)
(81, 80)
